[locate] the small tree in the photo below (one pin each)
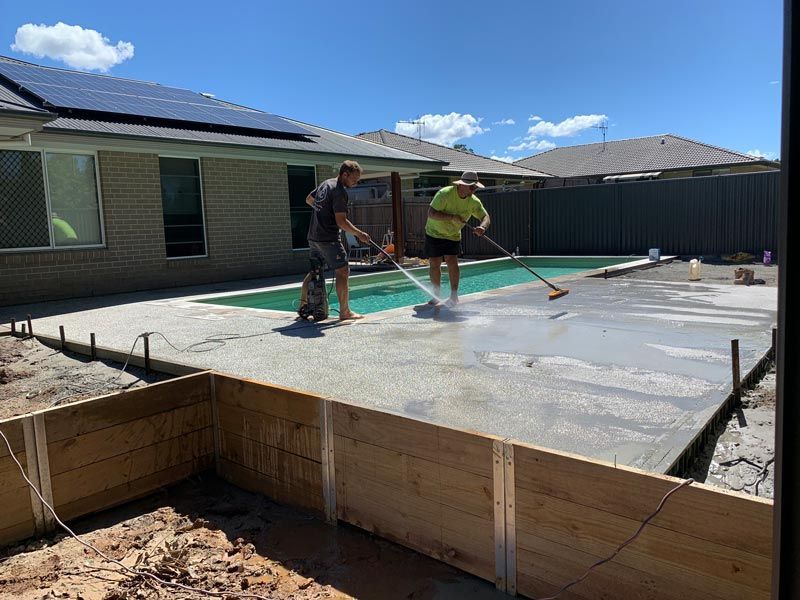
(463, 148)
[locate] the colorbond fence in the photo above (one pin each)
(698, 216)
(529, 519)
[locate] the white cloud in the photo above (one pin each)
(505, 159)
(534, 118)
(72, 44)
(774, 82)
(566, 128)
(759, 154)
(443, 129)
(539, 145)
(505, 122)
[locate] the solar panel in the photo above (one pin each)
(84, 91)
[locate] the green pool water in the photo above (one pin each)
(381, 291)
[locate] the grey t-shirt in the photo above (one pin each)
(329, 198)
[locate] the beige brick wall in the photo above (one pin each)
(247, 228)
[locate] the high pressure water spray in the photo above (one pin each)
(410, 277)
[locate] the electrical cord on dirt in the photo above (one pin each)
(107, 383)
(623, 544)
(125, 569)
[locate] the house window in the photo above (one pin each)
(302, 180)
(182, 203)
(75, 210)
(50, 204)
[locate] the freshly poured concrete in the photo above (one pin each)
(625, 370)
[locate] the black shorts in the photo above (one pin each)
(436, 247)
(331, 253)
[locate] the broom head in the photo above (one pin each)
(557, 294)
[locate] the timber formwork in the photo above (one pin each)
(527, 518)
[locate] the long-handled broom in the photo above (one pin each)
(557, 291)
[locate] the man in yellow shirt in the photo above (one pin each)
(451, 208)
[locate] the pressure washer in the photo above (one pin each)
(316, 306)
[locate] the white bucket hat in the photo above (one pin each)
(470, 178)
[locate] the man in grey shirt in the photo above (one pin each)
(329, 216)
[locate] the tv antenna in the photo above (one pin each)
(604, 128)
(419, 123)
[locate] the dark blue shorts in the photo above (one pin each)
(331, 253)
(436, 247)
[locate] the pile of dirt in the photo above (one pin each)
(33, 377)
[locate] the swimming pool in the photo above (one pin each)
(382, 291)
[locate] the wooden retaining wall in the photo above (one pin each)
(269, 441)
(99, 453)
(527, 518)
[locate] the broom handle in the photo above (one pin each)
(509, 255)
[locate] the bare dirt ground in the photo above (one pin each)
(34, 377)
(208, 534)
(742, 458)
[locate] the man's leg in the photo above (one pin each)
(454, 274)
(342, 275)
(435, 274)
(304, 289)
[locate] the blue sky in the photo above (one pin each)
(709, 70)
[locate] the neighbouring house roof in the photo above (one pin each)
(319, 140)
(654, 153)
(458, 160)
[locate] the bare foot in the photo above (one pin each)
(452, 301)
(351, 316)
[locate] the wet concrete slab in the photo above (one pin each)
(619, 370)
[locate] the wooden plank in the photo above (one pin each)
(269, 430)
(510, 500)
(274, 400)
(468, 451)
(17, 509)
(279, 465)
(655, 551)
(101, 444)
(10, 477)
(607, 582)
(16, 533)
(327, 453)
(32, 472)
(118, 470)
(462, 490)
(730, 519)
(72, 420)
(12, 429)
(279, 491)
(499, 507)
(449, 535)
(131, 490)
(43, 466)
(544, 567)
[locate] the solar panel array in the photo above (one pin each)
(84, 91)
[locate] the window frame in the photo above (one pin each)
(202, 206)
(316, 183)
(42, 151)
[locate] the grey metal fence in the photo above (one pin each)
(699, 215)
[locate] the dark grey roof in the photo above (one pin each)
(459, 161)
(633, 156)
(328, 142)
(11, 102)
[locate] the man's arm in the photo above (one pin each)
(345, 225)
(443, 216)
(481, 229)
(310, 200)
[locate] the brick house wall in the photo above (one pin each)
(246, 206)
